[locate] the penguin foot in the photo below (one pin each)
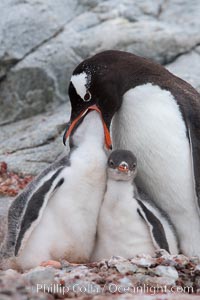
(51, 263)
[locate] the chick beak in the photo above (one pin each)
(72, 124)
(123, 168)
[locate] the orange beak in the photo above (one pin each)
(108, 141)
(123, 169)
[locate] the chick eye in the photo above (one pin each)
(134, 165)
(87, 97)
(111, 163)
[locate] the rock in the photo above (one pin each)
(195, 260)
(21, 23)
(187, 67)
(161, 252)
(126, 267)
(40, 275)
(180, 260)
(154, 41)
(80, 271)
(14, 286)
(161, 284)
(197, 284)
(197, 269)
(177, 261)
(165, 271)
(169, 10)
(114, 260)
(144, 261)
(31, 145)
(30, 90)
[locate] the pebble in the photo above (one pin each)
(165, 271)
(40, 275)
(126, 267)
(197, 270)
(144, 260)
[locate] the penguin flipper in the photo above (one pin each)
(195, 159)
(156, 228)
(27, 208)
(189, 103)
(35, 208)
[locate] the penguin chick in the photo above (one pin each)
(129, 225)
(55, 217)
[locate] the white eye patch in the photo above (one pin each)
(79, 82)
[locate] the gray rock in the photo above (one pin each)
(165, 271)
(40, 276)
(40, 81)
(197, 283)
(197, 269)
(181, 12)
(144, 261)
(25, 25)
(116, 260)
(160, 282)
(156, 40)
(32, 144)
(187, 67)
(126, 267)
(15, 287)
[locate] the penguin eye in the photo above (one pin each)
(134, 165)
(87, 97)
(111, 163)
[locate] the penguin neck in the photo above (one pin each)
(90, 133)
(92, 141)
(89, 148)
(119, 197)
(120, 189)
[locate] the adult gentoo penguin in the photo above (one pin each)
(56, 215)
(129, 225)
(157, 116)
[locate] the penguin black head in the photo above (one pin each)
(122, 165)
(98, 83)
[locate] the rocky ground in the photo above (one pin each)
(160, 277)
(40, 44)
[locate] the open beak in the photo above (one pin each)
(123, 168)
(72, 124)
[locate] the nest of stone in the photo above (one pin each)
(11, 183)
(144, 274)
